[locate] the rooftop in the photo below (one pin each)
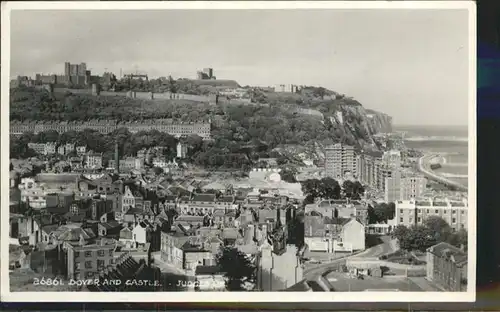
(445, 250)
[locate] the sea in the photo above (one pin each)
(449, 141)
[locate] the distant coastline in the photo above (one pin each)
(437, 138)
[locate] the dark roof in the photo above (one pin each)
(134, 211)
(110, 225)
(57, 177)
(190, 247)
(50, 228)
(445, 250)
(170, 198)
(207, 269)
(204, 197)
(226, 199)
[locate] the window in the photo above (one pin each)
(111, 252)
(427, 211)
(453, 211)
(400, 210)
(462, 212)
(411, 220)
(88, 254)
(401, 220)
(89, 274)
(112, 261)
(436, 211)
(88, 264)
(78, 276)
(100, 263)
(419, 219)
(78, 266)
(100, 253)
(453, 220)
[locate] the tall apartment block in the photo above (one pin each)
(339, 160)
(415, 212)
(402, 187)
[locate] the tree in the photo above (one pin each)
(288, 175)
(358, 190)
(439, 227)
(240, 271)
(348, 187)
(400, 232)
(329, 188)
(415, 238)
(172, 85)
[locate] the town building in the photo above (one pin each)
(340, 159)
(447, 267)
(392, 158)
(339, 209)
(404, 186)
(415, 212)
(181, 150)
(171, 249)
(413, 186)
(325, 234)
(174, 128)
(87, 261)
(93, 161)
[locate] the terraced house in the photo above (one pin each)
(170, 126)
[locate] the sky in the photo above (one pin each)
(410, 64)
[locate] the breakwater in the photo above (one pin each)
(424, 165)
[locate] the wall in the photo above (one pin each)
(354, 233)
(278, 272)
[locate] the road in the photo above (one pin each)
(388, 246)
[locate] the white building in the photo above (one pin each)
(93, 161)
(415, 212)
(181, 150)
(392, 158)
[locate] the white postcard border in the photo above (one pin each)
(8, 296)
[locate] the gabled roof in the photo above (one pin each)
(445, 250)
(50, 228)
(126, 233)
(74, 234)
(203, 198)
(314, 226)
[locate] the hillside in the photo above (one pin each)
(283, 119)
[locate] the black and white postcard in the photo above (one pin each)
(242, 148)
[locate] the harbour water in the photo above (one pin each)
(449, 141)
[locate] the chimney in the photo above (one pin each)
(117, 159)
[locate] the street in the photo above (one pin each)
(388, 246)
